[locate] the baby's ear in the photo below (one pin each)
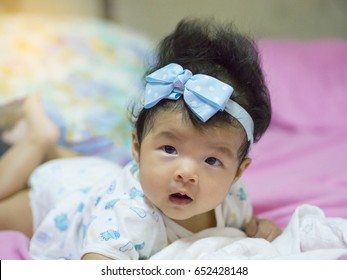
(135, 146)
(243, 166)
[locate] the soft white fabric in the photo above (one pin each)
(309, 235)
(91, 206)
(53, 180)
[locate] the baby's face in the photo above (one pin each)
(187, 172)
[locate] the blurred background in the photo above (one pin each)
(87, 57)
(307, 19)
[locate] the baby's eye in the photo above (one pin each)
(169, 149)
(213, 161)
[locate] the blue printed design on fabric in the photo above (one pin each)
(111, 203)
(134, 192)
(243, 195)
(139, 247)
(85, 190)
(130, 246)
(127, 247)
(109, 234)
(42, 237)
(61, 222)
(97, 201)
(139, 211)
(112, 187)
(155, 215)
(80, 208)
(84, 231)
(134, 167)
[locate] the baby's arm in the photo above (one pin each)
(262, 228)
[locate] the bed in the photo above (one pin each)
(298, 168)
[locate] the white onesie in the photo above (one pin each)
(87, 204)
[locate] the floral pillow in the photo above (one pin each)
(87, 71)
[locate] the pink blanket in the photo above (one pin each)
(301, 158)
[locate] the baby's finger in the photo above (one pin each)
(267, 230)
(275, 232)
(252, 227)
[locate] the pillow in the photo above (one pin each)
(86, 70)
(307, 82)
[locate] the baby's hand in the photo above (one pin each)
(262, 228)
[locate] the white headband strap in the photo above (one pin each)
(239, 113)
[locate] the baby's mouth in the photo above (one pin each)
(180, 198)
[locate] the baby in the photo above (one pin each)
(204, 105)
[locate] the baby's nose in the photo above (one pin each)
(186, 174)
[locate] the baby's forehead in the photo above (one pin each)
(172, 122)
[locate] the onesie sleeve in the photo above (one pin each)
(124, 224)
(236, 208)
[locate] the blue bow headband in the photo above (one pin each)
(203, 94)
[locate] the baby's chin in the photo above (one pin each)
(181, 215)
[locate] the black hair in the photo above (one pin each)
(217, 50)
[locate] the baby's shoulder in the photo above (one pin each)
(237, 193)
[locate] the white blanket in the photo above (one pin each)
(309, 235)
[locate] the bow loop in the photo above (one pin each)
(209, 95)
(165, 83)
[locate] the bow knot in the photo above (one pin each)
(204, 94)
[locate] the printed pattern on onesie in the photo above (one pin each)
(125, 224)
(113, 218)
(236, 208)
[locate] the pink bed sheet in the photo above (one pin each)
(293, 168)
(301, 159)
(13, 245)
